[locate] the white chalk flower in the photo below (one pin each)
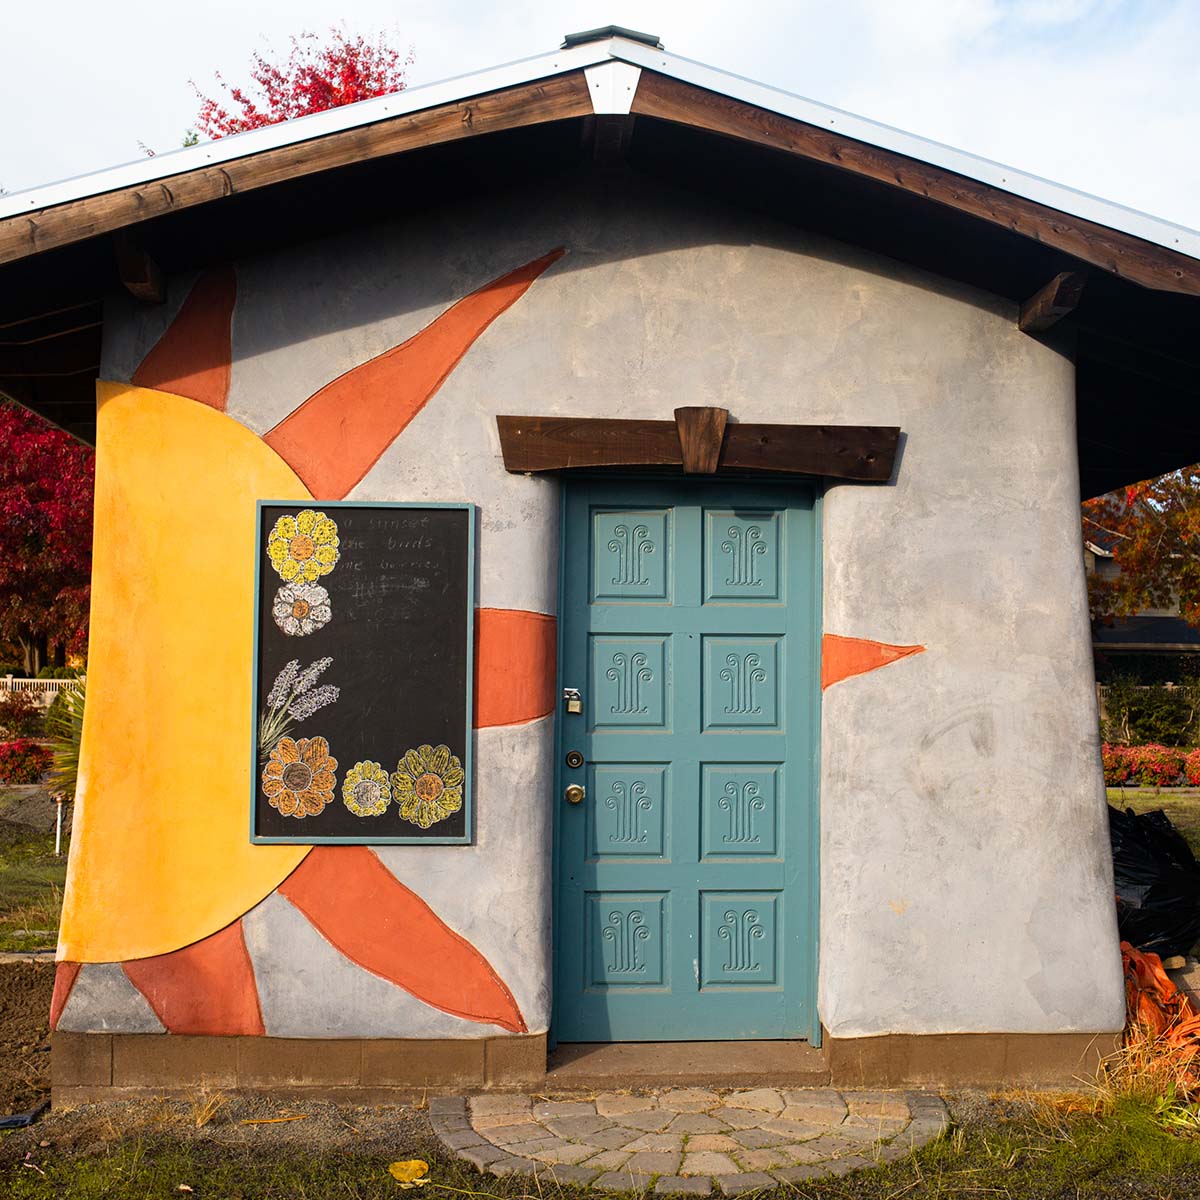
(301, 608)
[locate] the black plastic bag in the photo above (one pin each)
(1158, 883)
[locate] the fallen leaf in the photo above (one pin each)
(183, 1187)
(409, 1173)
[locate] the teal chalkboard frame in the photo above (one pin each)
(467, 837)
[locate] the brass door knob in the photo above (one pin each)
(574, 794)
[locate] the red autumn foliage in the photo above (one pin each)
(314, 76)
(46, 486)
(1153, 531)
(23, 761)
(1150, 765)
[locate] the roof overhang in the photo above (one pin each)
(63, 246)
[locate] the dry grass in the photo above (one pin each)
(205, 1105)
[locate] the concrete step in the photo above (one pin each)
(598, 1066)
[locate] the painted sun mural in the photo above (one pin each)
(166, 438)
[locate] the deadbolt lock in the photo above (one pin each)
(574, 760)
(574, 794)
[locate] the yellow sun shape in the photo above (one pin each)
(428, 785)
(303, 547)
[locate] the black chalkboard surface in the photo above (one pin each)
(363, 673)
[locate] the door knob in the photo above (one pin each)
(574, 794)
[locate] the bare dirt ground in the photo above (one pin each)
(24, 1035)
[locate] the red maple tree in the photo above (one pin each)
(314, 76)
(1152, 530)
(46, 490)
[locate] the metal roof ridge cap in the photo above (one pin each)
(1169, 234)
(182, 160)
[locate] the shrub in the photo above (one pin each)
(20, 715)
(1116, 764)
(1155, 765)
(57, 673)
(1191, 768)
(23, 761)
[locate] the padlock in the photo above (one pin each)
(573, 700)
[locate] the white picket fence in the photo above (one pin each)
(42, 690)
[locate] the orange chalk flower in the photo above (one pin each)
(299, 777)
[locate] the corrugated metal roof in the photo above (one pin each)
(651, 58)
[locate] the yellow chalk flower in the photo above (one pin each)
(366, 791)
(303, 547)
(428, 785)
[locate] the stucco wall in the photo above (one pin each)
(965, 878)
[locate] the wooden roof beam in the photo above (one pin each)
(1049, 304)
(1110, 250)
(140, 274)
(551, 99)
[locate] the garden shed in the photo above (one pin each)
(587, 557)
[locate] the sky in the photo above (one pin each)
(1102, 95)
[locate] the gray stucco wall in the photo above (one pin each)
(965, 878)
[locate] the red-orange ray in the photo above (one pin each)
(334, 438)
(193, 357)
(65, 974)
(842, 657)
(515, 653)
(206, 988)
(363, 910)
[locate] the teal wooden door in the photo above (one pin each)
(687, 876)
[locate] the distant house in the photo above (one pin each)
(1156, 644)
(582, 552)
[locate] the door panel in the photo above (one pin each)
(686, 876)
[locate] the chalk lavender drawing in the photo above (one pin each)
(293, 697)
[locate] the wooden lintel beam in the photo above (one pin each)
(1049, 304)
(701, 433)
(862, 453)
(139, 272)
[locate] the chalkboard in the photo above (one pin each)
(363, 656)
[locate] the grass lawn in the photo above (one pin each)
(1015, 1149)
(31, 881)
(1182, 805)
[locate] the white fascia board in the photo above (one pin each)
(636, 54)
(1031, 187)
(612, 86)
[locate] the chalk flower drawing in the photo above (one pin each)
(299, 777)
(366, 791)
(292, 698)
(301, 608)
(303, 547)
(428, 785)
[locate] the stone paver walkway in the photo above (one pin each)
(688, 1140)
